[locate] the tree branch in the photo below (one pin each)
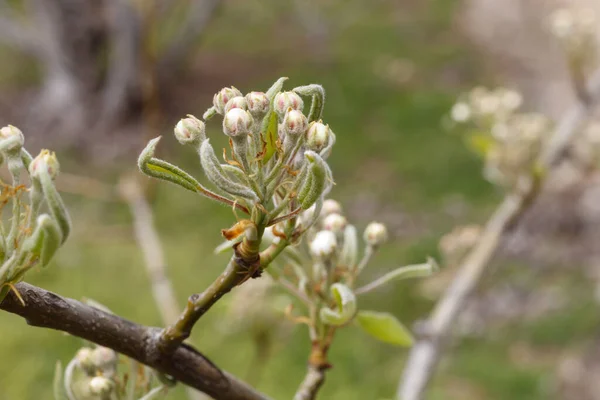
(48, 310)
(425, 354)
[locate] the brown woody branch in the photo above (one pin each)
(48, 310)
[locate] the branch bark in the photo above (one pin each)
(425, 354)
(48, 310)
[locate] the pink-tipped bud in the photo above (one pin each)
(236, 102)
(258, 104)
(45, 160)
(221, 99)
(295, 123)
(335, 223)
(286, 100)
(317, 136)
(190, 130)
(237, 122)
(375, 234)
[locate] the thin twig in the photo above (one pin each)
(48, 310)
(314, 379)
(425, 354)
(246, 263)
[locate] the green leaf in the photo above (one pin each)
(318, 100)
(275, 88)
(480, 143)
(345, 302)
(385, 327)
(45, 240)
(270, 137)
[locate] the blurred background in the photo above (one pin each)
(94, 80)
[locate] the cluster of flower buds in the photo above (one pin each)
(275, 166)
(577, 31)
(509, 141)
(93, 374)
(33, 234)
(326, 268)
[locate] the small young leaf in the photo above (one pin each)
(270, 137)
(385, 327)
(58, 389)
(345, 302)
(275, 88)
(318, 100)
(45, 240)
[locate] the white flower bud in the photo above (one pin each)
(375, 234)
(324, 244)
(190, 130)
(295, 123)
(461, 112)
(331, 206)
(237, 123)
(510, 99)
(9, 132)
(236, 102)
(45, 160)
(104, 358)
(84, 359)
(101, 386)
(562, 23)
(286, 100)
(258, 104)
(221, 99)
(335, 223)
(317, 136)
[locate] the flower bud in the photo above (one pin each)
(335, 223)
(295, 123)
(317, 136)
(237, 122)
(190, 130)
(84, 359)
(104, 358)
(221, 99)
(14, 133)
(286, 100)
(236, 102)
(101, 386)
(375, 234)
(331, 206)
(324, 244)
(460, 112)
(45, 160)
(258, 104)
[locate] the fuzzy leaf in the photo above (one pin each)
(57, 207)
(216, 175)
(160, 169)
(45, 240)
(318, 100)
(345, 302)
(275, 88)
(385, 327)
